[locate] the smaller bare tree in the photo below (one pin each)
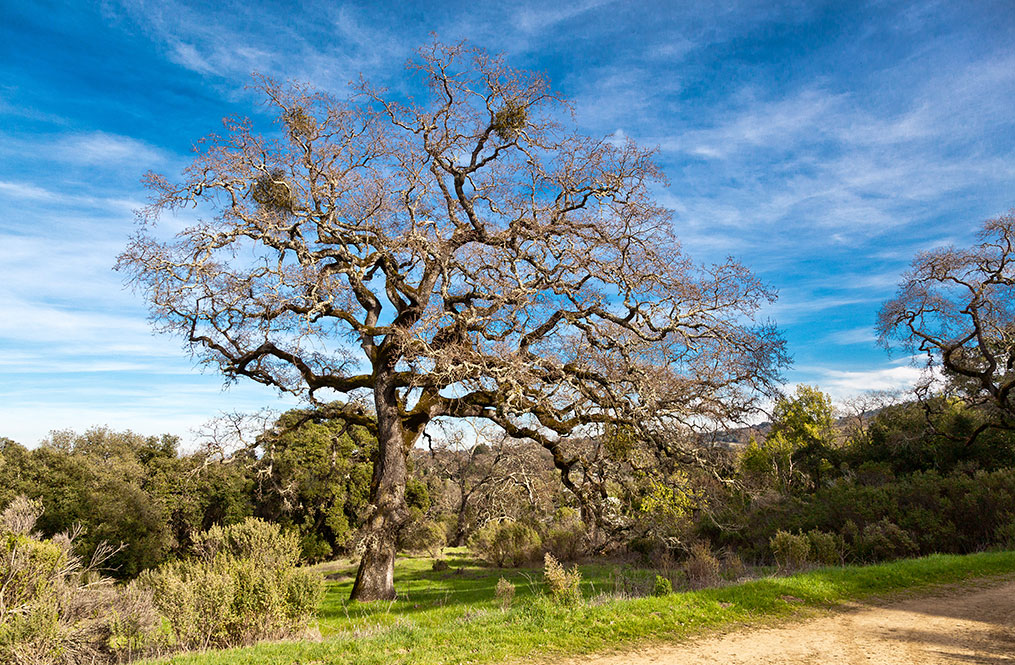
(859, 411)
(473, 476)
(956, 309)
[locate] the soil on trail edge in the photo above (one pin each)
(974, 624)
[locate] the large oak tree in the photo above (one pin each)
(467, 255)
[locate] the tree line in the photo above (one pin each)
(311, 475)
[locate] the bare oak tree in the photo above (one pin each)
(465, 256)
(956, 308)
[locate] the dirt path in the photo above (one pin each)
(971, 625)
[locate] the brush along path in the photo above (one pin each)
(971, 623)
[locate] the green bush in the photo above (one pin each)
(883, 541)
(314, 548)
(1004, 535)
(506, 543)
(243, 586)
(933, 510)
(824, 547)
(790, 550)
(662, 587)
(423, 536)
(566, 538)
(263, 543)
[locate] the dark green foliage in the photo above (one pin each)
(314, 548)
(917, 514)
(315, 477)
(417, 495)
(826, 548)
(124, 488)
(138, 491)
(884, 541)
(902, 440)
(1004, 535)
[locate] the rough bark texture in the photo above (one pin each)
(375, 579)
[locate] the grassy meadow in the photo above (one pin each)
(453, 616)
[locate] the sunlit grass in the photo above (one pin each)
(453, 616)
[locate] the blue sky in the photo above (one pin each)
(823, 144)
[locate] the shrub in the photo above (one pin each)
(20, 516)
(566, 538)
(824, 547)
(424, 536)
(58, 611)
(506, 543)
(314, 548)
(932, 509)
(850, 536)
(31, 628)
(1004, 535)
(733, 567)
(242, 587)
(662, 587)
(790, 550)
(885, 540)
(701, 567)
(564, 585)
(253, 539)
(505, 592)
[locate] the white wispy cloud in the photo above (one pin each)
(151, 410)
(33, 322)
(544, 16)
(843, 384)
(85, 149)
(24, 190)
(95, 148)
(861, 335)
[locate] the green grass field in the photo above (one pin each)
(453, 616)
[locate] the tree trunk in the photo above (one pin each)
(376, 577)
(460, 526)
